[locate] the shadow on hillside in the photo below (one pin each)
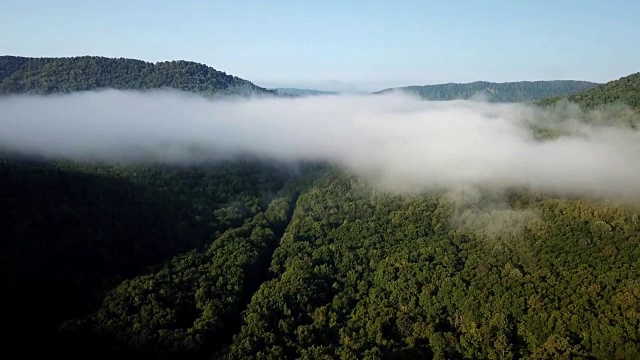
(67, 237)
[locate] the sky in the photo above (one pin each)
(339, 44)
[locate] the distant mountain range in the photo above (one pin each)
(521, 91)
(62, 75)
(55, 75)
(304, 92)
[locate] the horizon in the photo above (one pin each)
(334, 86)
(332, 46)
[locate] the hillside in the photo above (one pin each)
(63, 75)
(521, 91)
(323, 267)
(625, 90)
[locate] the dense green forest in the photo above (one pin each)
(71, 231)
(625, 90)
(521, 91)
(322, 266)
(245, 258)
(54, 75)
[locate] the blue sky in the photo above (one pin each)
(354, 44)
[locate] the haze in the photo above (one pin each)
(399, 141)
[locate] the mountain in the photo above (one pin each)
(304, 92)
(625, 90)
(63, 75)
(521, 91)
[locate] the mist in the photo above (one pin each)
(395, 140)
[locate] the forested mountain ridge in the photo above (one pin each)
(521, 91)
(625, 90)
(63, 75)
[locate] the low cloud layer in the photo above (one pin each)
(398, 140)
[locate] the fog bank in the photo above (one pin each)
(400, 141)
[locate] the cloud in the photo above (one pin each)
(397, 140)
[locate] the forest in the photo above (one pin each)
(63, 75)
(623, 91)
(520, 91)
(248, 258)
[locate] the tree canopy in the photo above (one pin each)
(625, 90)
(63, 75)
(520, 91)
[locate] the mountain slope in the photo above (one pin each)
(55, 75)
(498, 92)
(358, 274)
(625, 90)
(69, 232)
